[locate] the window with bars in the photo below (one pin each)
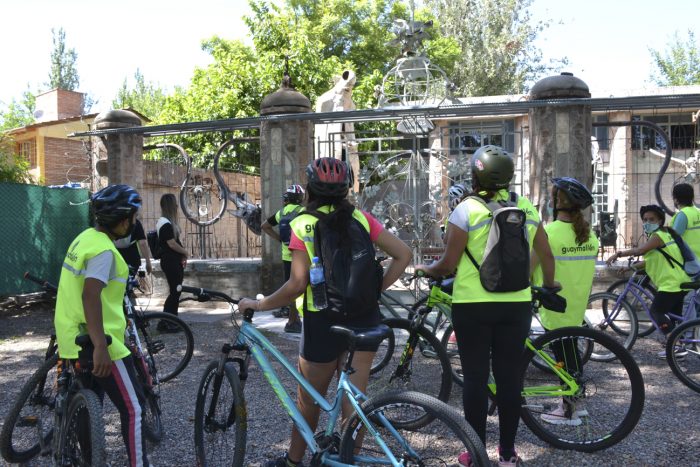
(600, 194)
(679, 127)
(27, 150)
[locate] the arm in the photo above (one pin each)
(653, 242)
(145, 253)
(400, 254)
(268, 229)
(456, 242)
(545, 256)
(177, 248)
(680, 223)
(92, 306)
(290, 290)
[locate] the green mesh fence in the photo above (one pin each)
(38, 225)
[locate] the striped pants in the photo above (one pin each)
(125, 392)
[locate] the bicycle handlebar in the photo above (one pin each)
(204, 295)
(45, 284)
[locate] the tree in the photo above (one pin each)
(679, 64)
(13, 168)
(496, 39)
(63, 74)
(18, 113)
(145, 97)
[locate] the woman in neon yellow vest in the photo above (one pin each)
(490, 327)
(666, 274)
(575, 248)
(321, 353)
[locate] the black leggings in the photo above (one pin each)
(667, 302)
(492, 335)
(174, 273)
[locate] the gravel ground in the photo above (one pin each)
(667, 434)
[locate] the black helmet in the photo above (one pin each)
(329, 177)
(654, 208)
(492, 167)
(575, 190)
(294, 194)
(115, 203)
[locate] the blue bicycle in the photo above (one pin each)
(373, 435)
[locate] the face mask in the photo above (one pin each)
(650, 227)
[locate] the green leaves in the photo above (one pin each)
(679, 64)
(63, 74)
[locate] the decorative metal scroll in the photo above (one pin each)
(250, 213)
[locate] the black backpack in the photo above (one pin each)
(506, 263)
(353, 274)
(153, 244)
(285, 228)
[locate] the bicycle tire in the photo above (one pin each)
(152, 418)
(438, 443)
(84, 416)
(610, 400)
(170, 347)
(622, 327)
(687, 368)
(428, 373)
(645, 326)
(453, 355)
(37, 398)
(206, 430)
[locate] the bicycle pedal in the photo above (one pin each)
(156, 346)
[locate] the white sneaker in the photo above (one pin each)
(679, 351)
(558, 416)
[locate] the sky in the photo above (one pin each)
(606, 41)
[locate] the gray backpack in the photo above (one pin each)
(506, 263)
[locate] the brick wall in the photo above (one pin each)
(58, 104)
(65, 160)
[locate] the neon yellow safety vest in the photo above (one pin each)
(666, 277)
(467, 286)
(70, 316)
(286, 209)
(574, 270)
(692, 232)
(303, 227)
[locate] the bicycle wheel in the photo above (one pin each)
(607, 406)
(220, 431)
(410, 368)
(29, 423)
(683, 353)
(449, 342)
(168, 341)
(437, 444)
(613, 317)
(82, 441)
(640, 304)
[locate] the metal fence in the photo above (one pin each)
(38, 225)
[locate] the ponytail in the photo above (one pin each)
(582, 228)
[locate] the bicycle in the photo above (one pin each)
(607, 396)
(640, 301)
(374, 434)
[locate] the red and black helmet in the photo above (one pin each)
(329, 177)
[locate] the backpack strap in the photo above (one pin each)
(671, 260)
(490, 206)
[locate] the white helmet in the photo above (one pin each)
(456, 193)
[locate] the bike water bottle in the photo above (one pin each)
(318, 284)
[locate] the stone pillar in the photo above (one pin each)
(286, 148)
(118, 158)
(560, 136)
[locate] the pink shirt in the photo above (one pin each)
(375, 228)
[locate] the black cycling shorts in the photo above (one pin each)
(319, 345)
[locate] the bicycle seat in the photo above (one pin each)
(362, 337)
(84, 341)
(691, 285)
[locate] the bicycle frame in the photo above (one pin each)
(256, 344)
(563, 375)
(635, 288)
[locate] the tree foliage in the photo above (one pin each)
(496, 40)
(63, 73)
(13, 168)
(679, 64)
(145, 97)
(19, 113)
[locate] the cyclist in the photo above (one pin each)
(456, 195)
(491, 327)
(292, 199)
(666, 275)
(322, 354)
(575, 247)
(687, 220)
(90, 297)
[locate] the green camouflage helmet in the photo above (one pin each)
(492, 167)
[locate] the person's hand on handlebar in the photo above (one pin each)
(250, 304)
